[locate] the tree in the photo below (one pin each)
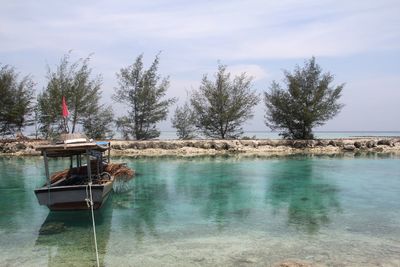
(82, 93)
(308, 100)
(223, 105)
(98, 124)
(16, 101)
(125, 126)
(143, 90)
(184, 122)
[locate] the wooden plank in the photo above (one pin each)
(66, 150)
(82, 146)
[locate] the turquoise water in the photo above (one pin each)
(214, 211)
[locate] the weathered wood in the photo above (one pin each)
(67, 150)
(73, 197)
(46, 168)
(79, 146)
(89, 169)
(109, 151)
(69, 188)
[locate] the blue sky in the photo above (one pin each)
(357, 41)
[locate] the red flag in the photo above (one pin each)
(65, 111)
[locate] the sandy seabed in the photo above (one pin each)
(256, 250)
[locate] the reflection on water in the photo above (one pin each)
(217, 188)
(17, 182)
(223, 193)
(67, 237)
(298, 187)
(146, 203)
(213, 211)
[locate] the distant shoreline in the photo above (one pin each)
(205, 147)
(171, 135)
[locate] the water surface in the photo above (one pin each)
(213, 211)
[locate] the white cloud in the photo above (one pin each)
(255, 71)
(180, 88)
(249, 36)
(371, 103)
(224, 29)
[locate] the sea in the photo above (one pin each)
(324, 210)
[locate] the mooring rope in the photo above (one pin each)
(89, 202)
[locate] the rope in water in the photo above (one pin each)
(89, 202)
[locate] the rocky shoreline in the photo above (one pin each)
(154, 148)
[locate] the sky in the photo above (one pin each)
(357, 41)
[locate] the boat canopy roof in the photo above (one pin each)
(66, 150)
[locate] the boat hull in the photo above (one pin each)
(73, 197)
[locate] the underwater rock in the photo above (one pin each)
(293, 264)
(52, 228)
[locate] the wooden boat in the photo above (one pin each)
(81, 185)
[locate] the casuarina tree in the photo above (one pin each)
(98, 124)
(184, 121)
(143, 91)
(222, 105)
(16, 101)
(307, 100)
(82, 92)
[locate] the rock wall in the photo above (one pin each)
(216, 147)
(23, 147)
(265, 146)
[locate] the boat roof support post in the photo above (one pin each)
(89, 169)
(46, 167)
(109, 149)
(101, 163)
(98, 166)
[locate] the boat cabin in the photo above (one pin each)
(68, 189)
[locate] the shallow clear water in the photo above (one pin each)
(214, 211)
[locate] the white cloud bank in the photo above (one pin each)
(214, 29)
(250, 36)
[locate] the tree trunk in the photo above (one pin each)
(74, 120)
(19, 135)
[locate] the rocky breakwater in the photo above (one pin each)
(250, 147)
(20, 147)
(223, 147)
